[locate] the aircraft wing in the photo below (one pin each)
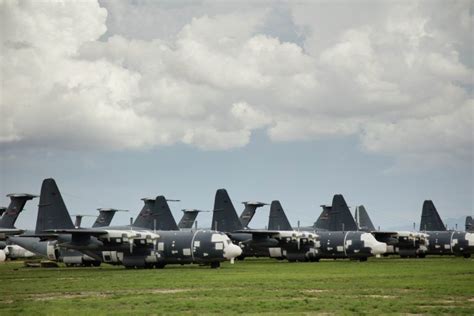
(277, 233)
(9, 231)
(78, 231)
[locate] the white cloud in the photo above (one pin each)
(392, 74)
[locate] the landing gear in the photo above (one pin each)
(215, 264)
(422, 256)
(467, 255)
(160, 265)
(240, 258)
(363, 259)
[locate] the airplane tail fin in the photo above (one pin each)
(224, 216)
(469, 224)
(430, 219)
(340, 217)
(249, 212)
(105, 217)
(17, 203)
(363, 219)
(52, 212)
(164, 217)
(322, 223)
(277, 219)
(188, 219)
(145, 214)
(156, 214)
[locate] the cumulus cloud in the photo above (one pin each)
(136, 75)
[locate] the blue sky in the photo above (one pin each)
(271, 100)
(302, 175)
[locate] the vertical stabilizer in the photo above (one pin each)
(17, 203)
(340, 217)
(322, 223)
(224, 216)
(188, 219)
(164, 217)
(143, 218)
(363, 220)
(156, 214)
(469, 224)
(277, 219)
(430, 219)
(52, 212)
(105, 216)
(249, 211)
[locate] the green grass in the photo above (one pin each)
(379, 286)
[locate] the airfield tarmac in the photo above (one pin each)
(435, 285)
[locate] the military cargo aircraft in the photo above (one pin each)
(336, 243)
(403, 243)
(131, 246)
(280, 244)
(440, 240)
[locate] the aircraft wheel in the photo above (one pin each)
(215, 264)
(467, 255)
(363, 259)
(422, 256)
(160, 265)
(240, 258)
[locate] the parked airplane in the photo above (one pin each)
(440, 240)
(291, 245)
(333, 243)
(403, 243)
(132, 246)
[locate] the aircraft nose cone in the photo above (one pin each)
(232, 251)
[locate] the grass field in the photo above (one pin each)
(379, 286)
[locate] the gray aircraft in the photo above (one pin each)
(291, 245)
(337, 243)
(469, 224)
(7, 227)
(404, 243)
(138, 245)
(440, 240)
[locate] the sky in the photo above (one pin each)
(288, 100)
